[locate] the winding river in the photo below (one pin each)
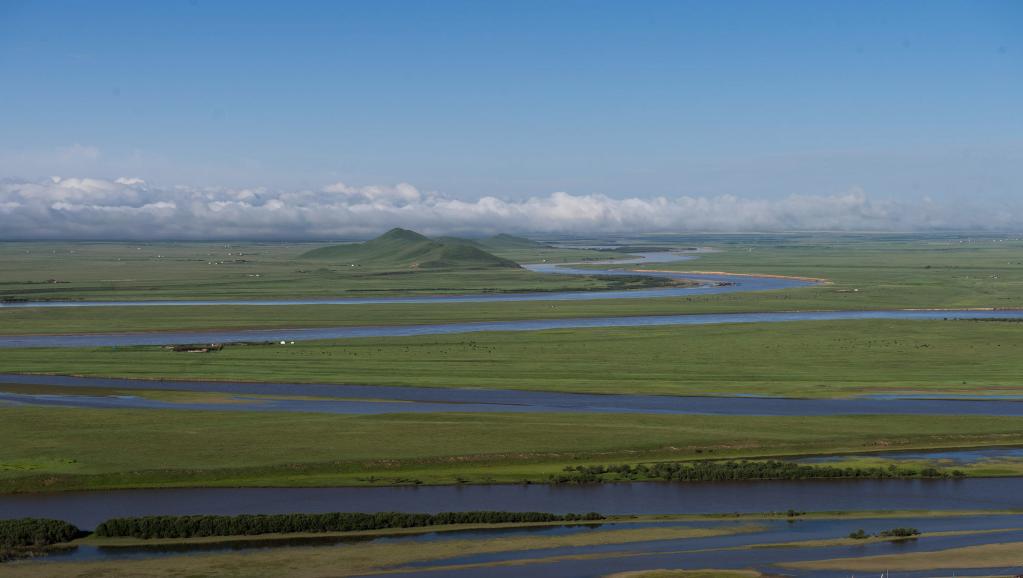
(710, 284)
(86, 509)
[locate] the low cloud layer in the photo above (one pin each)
(129, 208)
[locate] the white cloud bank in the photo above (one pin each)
(129, 208)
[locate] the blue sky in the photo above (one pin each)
(900, 100)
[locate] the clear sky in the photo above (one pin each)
(759, 99)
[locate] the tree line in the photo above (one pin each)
(718, 471)
(251, 524)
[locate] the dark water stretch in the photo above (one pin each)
(181, 337)
(87, 509)
(361, 399)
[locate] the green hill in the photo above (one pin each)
(505, 242)
(402, 248)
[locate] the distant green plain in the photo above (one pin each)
(47, 449)
(864, 272)
(190, 271)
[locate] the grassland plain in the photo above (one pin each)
(169, 448)
(865, 273)
(806, 358)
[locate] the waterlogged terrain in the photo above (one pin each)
(185, 337)
(358, 399)
(767, 544)
(86, 509)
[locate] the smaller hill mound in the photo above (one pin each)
(402, 248)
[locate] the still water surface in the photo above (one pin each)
(362, 399)
(318, 333)
(86, 509)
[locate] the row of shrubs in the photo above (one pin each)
(246, 525)
(717, 471)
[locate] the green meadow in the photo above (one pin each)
(867, 272)
(168, 448)
(804, 358)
